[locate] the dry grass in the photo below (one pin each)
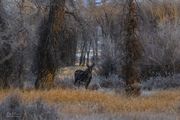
(82, 100)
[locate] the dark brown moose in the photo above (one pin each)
(84, 77)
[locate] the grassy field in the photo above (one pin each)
(81, 104)
(84, 101)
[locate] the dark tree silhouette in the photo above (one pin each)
(133, 50)
(51, 38)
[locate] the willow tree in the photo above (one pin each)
(51, 38)
(133, 50)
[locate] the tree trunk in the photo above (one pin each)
(96, 49)
(88, 53)
(49, 44)
(82, 53)
(133, 51)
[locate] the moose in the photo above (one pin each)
(84, 77)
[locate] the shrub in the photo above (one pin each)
(65, 83)
(39, 110)
(107, 66)
(113, 81)
(13, 108)
(161, 82)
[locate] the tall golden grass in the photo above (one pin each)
(162, 101)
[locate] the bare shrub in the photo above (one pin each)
(161, 36)
(161, 82)
(128, 116)
(94, 86)
(178, 109)
(113, 81)
(107, 66)
(64, 82)
(39, 110)
(13, 108)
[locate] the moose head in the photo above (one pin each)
(89, 67)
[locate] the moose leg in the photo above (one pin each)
(75, 81)
(76, 78)
(79, 83)
(87, 83)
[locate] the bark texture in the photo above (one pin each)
(133, 51)
(51, 39)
